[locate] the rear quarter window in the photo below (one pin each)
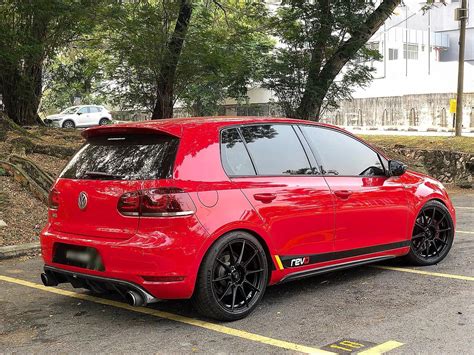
(124, 157)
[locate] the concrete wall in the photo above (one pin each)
(421, 112)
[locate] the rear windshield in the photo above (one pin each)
(124, 157)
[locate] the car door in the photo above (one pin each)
(371, 208)
(296, 206)
(82, 119)
(94, 116)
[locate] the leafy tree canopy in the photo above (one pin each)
(311, 35)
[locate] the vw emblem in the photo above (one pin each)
(82, 200)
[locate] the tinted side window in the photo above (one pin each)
(235, 158)
(93, 109)
(276, 150)
(341, 154)
(84, 110)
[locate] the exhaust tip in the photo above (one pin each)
(134, 299)
(48, 280)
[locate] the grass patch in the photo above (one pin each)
(457, 144)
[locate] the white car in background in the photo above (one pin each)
(80, 116)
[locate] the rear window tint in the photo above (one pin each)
(124, 157)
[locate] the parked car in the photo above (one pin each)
(216, 209)
(80, 116)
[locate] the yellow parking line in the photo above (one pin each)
(465, 232)
(174, 317)
(426, 273)
(382, 348)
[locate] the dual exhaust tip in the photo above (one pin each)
(132, 297)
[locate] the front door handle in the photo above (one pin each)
(265, 197)
(344, 194)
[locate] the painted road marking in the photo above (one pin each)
(464, 208)
(382, 348)
(348, 346)
(174, 317)
(465, 232)
(426, 273)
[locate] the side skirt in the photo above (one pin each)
(322, 270)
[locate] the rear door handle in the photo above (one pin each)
(265, 197)
(344, 194)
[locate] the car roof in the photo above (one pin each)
(175, 126)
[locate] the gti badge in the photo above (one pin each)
(82, 200)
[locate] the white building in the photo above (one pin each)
(413, 83)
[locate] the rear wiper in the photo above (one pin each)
(101, 174)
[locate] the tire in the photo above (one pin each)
(69, 124)
(232, 278)
(104, 121)
(432, 236)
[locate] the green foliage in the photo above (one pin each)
(31, 34)
(76, 73)
(222, 54)
(310, 33)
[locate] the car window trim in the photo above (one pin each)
(318, 157)
(248, 151)
(221, 131)
(238, 126)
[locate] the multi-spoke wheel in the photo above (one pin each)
(433, 235)
(232, 278)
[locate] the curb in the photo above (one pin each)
(14, 251)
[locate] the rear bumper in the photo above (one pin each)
(97, 283)
(164, 266)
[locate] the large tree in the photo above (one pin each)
(322, 40)
(195, 52)
(31, 33)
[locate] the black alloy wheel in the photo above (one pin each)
(433, 235)
(232, 278)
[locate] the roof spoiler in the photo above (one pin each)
(156, 128)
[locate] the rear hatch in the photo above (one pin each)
(106, 167)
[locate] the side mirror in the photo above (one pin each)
(79, 113)
(396, 168)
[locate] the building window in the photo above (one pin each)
(410, 51)
(392, 54)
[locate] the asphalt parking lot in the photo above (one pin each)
(387, 307)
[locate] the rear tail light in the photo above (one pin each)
(160, 202)
(53, 199)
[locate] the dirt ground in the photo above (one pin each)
(24, 214)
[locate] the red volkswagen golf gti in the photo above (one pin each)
(216, 209)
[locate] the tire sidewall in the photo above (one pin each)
(204, 289)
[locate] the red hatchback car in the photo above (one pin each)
(216, 209)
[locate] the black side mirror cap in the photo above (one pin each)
(396, 168)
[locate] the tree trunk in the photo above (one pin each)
(320, 79)
(165, 86)
(22, 94)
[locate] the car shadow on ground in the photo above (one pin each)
(317, 286)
